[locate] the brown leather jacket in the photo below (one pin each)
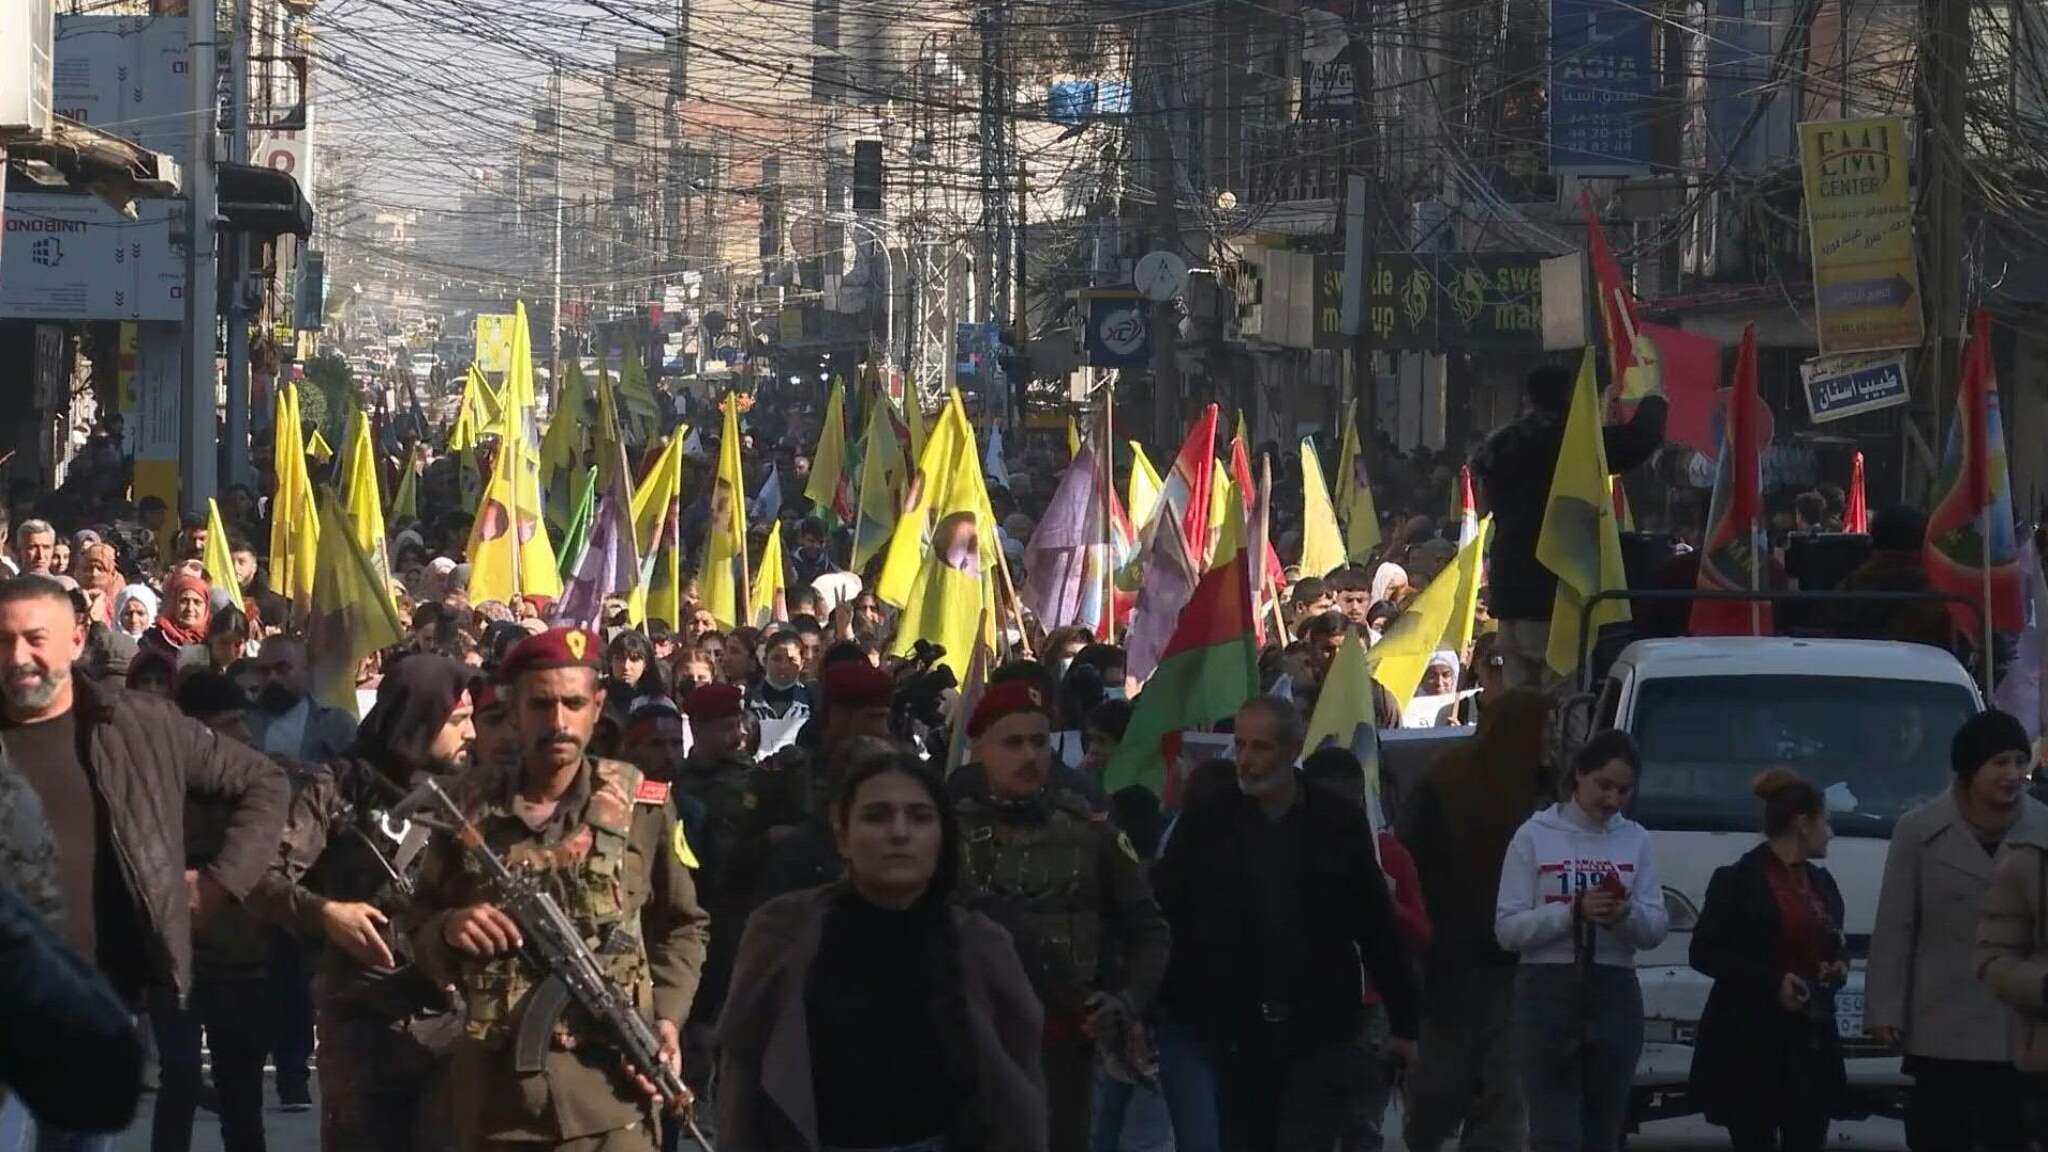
(146, 759)
(2012, 942)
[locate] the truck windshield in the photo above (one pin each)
(1878, 747)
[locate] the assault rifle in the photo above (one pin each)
(553, 942)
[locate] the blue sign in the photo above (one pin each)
(1838, 388)
(1601, 84)
(1118, 335)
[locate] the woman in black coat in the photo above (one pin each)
(1767, 1063)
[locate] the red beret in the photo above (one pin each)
(554, 648)
(856, 684)
(713, 702)
(1006, 699)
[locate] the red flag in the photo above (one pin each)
(1976, 495)
(1734, 552)
(1618, 324)
(1274, 574)
(1856, 515)
(1187, 486)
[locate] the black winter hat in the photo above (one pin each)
(1983, 736)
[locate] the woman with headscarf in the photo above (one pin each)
(183, 618)
(1389, 582)
(1466, 809)
(383, 1024)
(97, 569)
(134, 609)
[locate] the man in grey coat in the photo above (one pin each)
(1921, 993)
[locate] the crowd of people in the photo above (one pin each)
(860, 908)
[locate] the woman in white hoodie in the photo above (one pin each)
(1578, 898)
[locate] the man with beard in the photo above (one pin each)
(112, 770)
(1070, 890)
(348, 860)
(602, 839)
(287, 721)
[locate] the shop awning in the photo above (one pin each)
(262, 201)
(118, 170)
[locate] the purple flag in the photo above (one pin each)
(1170, 580)
(1063, 562)
(609, 565)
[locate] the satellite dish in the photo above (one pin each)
(1160, 275)
(1323, 36)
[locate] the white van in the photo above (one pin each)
(1868, 721)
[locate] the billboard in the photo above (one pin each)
(494, 341)
(1866, 286)
(1602, 80)
(70, 257)
(127, 75)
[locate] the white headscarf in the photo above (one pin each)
(147, 596)
(1383, 579)
(1449, 659)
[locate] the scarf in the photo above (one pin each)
(173, 631)
(143, 594)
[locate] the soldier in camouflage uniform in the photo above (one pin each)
(1071, 891)
(604, 842)
(347, 864)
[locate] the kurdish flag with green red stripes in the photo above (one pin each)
(1208, 669)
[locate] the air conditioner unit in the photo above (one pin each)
(26, 29)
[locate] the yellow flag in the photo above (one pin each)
(351, 617)
(479, 411)
(519, 377)
(219, 557)
(1222, 496)
(1403, 652)
(948, 482)
(1142, 498)
(317, 448)
(509, 553)
(767, 597)
(1580, 541)
(1354, 495)
(361, 502)
(294, 520)
(1073, 438)
(1345, 716)
(720, 580)
(1465, 617)
(563, 448)
(1322, 541)
(914, 423)
(882, 475)
(826, 487)
(655, 508)
(405, 503)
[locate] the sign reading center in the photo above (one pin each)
(1866, 285)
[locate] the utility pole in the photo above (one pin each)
(238, 255)
(198, 459)
(555, 311)
(1361, 202)
(1944, 66)
(1165, 226)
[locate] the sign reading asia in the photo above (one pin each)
(1425, 302)
(1601, 86)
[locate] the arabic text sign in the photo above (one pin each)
(1839, 386)
(1601, 84)
(1866, 287)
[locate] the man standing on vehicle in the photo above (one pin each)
(602, 840)
(1514, 471)
(1922, 993)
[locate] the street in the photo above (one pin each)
(300, 1132)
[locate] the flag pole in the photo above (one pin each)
(1106, 465)
(744, 592)
(1756, 584)
(1984, 571)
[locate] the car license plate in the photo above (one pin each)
(1849, 1013)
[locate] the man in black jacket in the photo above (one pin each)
(69, 1050)
(1514, 471)
(113, 770)
(1275, 896)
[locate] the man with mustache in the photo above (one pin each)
(113, 770)
(286, 720)
(603, 840)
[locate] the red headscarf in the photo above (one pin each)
(166, 621)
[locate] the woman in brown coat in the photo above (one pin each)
(873, 1013)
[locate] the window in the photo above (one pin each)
(825, 24)
(828, 79)
(1877, 747)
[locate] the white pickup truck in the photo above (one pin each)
(1868, 721)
